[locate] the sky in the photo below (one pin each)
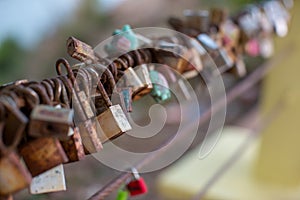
(30, 20)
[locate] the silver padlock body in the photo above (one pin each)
(52, 180)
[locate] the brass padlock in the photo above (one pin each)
(131, 79)
(48, 121)
(74, 147)
(13, 175)
(43, 154)
(143, 74)
(80, 50)
(190, 61)
(113, 121)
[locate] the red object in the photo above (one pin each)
(137, 187)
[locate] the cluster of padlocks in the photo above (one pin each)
(59, 120)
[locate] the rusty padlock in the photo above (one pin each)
(74, 147)
(118, 95)
(80, 50)
(43, 154)
(49, 121)
(113, 122)
(130, 79)
(15, 123)
(13, 175)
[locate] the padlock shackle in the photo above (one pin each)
(67, 66)
(104, 94)
(135, 173)
(100, 69)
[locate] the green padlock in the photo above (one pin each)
(160, 92)
(122, 194)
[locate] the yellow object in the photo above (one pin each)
(279, 160)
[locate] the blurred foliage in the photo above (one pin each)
(232, 5)
(11, 59)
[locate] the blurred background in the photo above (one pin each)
(33, 36)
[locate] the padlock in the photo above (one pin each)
(87, 124)
(259, 16)
(43, 154)
(288, 4)
(48, 121)
(207, 42)
(143, 74)
(160, 92)
(266, 46)
(73, 147)
(52, 180)
(124, 40)
(13, 175)
(137, 185)
(252, 48)
(239, 69)
(217, 16)
(189, 61)
(127, 96)
(80, 50)
(278, 16)
(131, 79)
(15, 123)
(198, 20)
(177, 84)
(113, 121)
(249, 25)
(230, 34)
(122, 194)
(223, 59)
